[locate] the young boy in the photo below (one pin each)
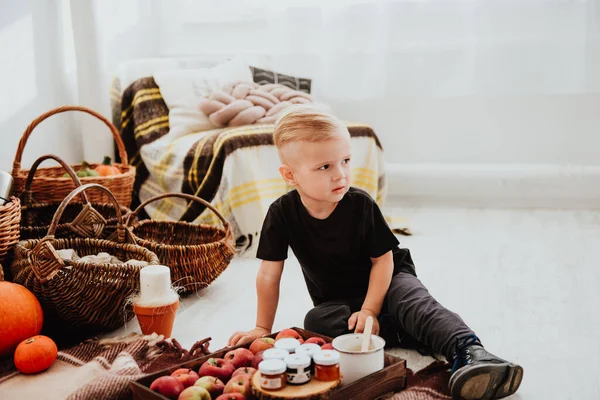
(352, 264)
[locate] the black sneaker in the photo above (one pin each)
(478, 374)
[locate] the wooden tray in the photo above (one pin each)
(312, 390)
(381, 384)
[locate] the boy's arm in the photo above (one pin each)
(379, 282)
(267, 292)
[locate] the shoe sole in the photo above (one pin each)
(486, 381)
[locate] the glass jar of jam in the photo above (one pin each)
(327, 365)
(272, 374)
(275, 354)
(309, 349)
(288, 344)
(298, 369)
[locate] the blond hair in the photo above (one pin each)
(302, 123)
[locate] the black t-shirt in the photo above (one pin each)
(334, 253)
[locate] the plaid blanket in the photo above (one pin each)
(232, 168)
(98, 369)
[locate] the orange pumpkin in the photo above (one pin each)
(21, 316)
(107, 168)
(35, 354)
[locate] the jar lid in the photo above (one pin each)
(327, 357)
(297, 361)
(272, 367)
(273, 353)
(289, 344)
(308, 349)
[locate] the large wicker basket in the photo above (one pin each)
(196, 253)
(10, 218)
(49, 185)
(98, 220)
(80, 297)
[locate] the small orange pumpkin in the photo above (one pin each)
(21, 316)
(35, 354)
(107, 168)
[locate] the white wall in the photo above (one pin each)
(498, 99)
(509, 151)
(534, 151)
(555, 129)
(453, 82)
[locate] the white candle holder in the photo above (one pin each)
(157, 303)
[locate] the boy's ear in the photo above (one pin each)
(287, 174)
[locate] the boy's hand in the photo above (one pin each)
(358, 319)
(249, 336)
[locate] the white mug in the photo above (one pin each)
(355, 364)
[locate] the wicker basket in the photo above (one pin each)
(10, 217)
(197, 254)
(82, 297)
(98, 220)
(50, 186)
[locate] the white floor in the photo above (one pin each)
(527, 282)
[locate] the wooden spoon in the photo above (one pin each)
(367, 334)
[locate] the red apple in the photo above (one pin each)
(239, 384)
(245, 370)
(231, 396)
(315, 340)
(186, 376)
(289, 333)
(214, 385)
(261, 344)
(327, 346)
(239, 357)
(258, 357)
(194, 393)
(218, 368)
(168, 386)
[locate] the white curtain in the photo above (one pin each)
(442, 81)
(395, 64)
(373, 48)
(61, 52)
(34, 77)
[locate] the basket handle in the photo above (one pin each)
(183, 196)
(45, 261)
(27, 195)
(58, 214)
(58, 110)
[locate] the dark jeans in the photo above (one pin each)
(410, 316)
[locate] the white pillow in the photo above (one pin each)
(181, 90)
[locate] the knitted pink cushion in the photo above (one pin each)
(242, 103)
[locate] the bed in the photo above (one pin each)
(235, 169)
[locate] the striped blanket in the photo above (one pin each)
(235, 169)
